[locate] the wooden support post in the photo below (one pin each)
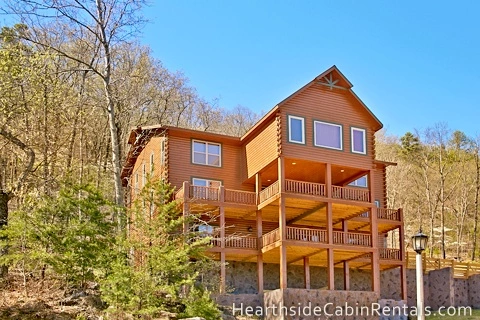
(283, 249)
(346, 276)
(330, 259)
(403, 275)
(331, 270)
(328, 179)
(374, 234)
(258, 183)
(223, 273)
(260, 254)
(306, 272)
(403, 257)
(186, 205)
(281, 174)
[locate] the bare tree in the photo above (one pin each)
(97, 28)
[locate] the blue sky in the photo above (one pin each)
(414, 63)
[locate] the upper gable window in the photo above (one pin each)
(296, 129)
(360, 182)
(328, 135)
(359, 141)
(207, 153)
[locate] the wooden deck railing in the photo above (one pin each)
(302, 187)
(388, 214)
(242, 197)
(461, 270)
(347, 193)
(305, 234)
(270, 237)
(204, 193)
(241, 242)
(269, 192)
(384, 213)
(390, 254)
(351, 238)
(237, 241)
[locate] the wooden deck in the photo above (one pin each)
(315, 193)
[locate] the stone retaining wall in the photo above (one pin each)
(440, 287)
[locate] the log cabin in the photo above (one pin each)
(299, 200)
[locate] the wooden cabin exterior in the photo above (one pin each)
(301, 189)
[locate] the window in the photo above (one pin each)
(296, 129)
(144, 175)
(358, 141)
(377, 203)
(328, 135)
(206, 153)
(206, 183)
(205, 229)
(360, 182)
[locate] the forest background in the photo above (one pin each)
(74, 82)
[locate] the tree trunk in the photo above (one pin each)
(4, 198)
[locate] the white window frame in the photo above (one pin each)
(144, 174)
(330, 124)
(290, 129)
(208, 182)
(207, 143)
(364, 140)
(355, 182)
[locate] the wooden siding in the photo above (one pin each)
(181, 168)
(335, 106)
(262, 149)
(380, 186)
(152, 147)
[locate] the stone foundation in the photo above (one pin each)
(241, 277)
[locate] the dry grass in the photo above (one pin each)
(41, 300)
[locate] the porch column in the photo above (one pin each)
(260, 254)
(281, 174)
(403, 268)
(328, 179)
(186, 205)
(223, 272)
(330, 257)
(374, 235)
(283, 249)
(282, 223)
(346, 275)
(306, 272)
(258, 183)
(346, 265)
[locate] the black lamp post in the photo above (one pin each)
(419, 243)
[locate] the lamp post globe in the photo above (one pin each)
(419, 242)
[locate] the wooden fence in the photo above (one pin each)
(461, 270)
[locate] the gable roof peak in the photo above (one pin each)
(333, 78)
